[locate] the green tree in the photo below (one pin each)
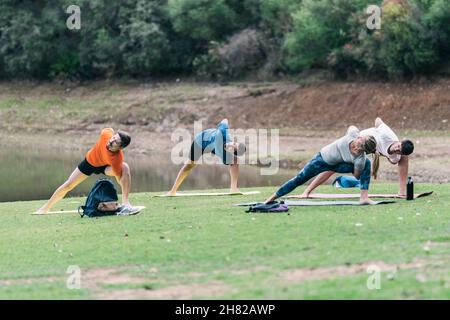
(145, 46)
(26, 47)
(437, 19)
(247, 12)
(319, 27)
(402, 47)
(203, 20)
(276, 15)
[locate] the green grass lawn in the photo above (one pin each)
(206, 248)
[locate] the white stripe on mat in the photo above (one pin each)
(246, 193)
(299, 203)
(330, 203)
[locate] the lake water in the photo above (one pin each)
(29, 174)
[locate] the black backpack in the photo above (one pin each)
(101, 201)
(273, 206)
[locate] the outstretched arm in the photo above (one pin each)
(124, 180)
(378, 122)
(222, 137)
(320, 179)
(234, 174)
(403, 175)
(351, 128)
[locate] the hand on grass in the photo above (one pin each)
(41, 211)
(305, 195)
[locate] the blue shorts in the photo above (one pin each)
(197, 151)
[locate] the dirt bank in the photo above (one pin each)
(55, 116)
(163, 106)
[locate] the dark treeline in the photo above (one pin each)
(222, 38)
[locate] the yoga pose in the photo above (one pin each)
(216, 141)
(106, 157)
(345, 155)
(389, 146)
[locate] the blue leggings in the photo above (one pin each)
(317, 165)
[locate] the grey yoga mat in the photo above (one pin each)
(298, 203)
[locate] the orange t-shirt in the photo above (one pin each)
(100, 156)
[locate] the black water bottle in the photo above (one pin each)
(410, 189)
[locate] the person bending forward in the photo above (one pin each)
(388, 146)
(106, 157)
(345, 155)
(215, 141)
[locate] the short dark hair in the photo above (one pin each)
(240, 150)
(407, 147)
(370, 145)
(124, 138)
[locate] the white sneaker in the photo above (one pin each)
(127, 211)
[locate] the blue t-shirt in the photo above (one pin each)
(213, 140)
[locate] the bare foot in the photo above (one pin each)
(171, 194)
(366, 202)
(235, 191)
(41, 211)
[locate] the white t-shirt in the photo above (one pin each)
(339, 151)
(385, 137)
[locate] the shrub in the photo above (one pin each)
(204, 20)
(318, 28)
(437, 19)
(402, 47)
(145, 47)
(276, 15)
(25, 43)
(244, 52)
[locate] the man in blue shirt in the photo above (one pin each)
(216, 141)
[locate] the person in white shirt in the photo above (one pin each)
(389, 146)
(345, 155)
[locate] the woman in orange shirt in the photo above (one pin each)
(106, 157)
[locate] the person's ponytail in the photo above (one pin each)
(375, 165)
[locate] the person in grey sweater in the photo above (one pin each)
(345, 155)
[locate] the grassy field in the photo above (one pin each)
(206, 248)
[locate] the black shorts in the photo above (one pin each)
(88, 169)
(197, 151)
